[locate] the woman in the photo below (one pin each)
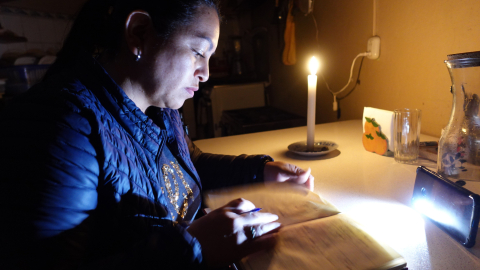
(98, 172)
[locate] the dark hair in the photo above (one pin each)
(99, 25)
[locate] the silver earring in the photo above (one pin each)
(139, 55)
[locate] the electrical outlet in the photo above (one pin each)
(373, 47)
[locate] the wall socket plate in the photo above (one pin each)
(373, 47)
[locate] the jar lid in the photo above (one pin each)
(461, 60)
(463, 55)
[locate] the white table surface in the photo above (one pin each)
(373, 189)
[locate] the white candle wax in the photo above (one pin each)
(312, 91)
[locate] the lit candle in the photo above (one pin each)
(312, 92)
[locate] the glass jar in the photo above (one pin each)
(459, 145)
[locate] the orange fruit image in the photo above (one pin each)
(373, 139)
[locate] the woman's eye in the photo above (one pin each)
(197, 53)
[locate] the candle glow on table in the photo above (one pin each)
(312, 92)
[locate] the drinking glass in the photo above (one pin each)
(406, 134)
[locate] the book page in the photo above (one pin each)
(335, 242)
(292, 203)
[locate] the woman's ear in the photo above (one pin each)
(137, 27)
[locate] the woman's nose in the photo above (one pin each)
(202, 72)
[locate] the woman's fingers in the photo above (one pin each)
(302, 176)
(310, 182)
(256, 225)
(286, 172)
(245, 221)
(227, 235)
(239, 205)
(253, 219)
(266, 228)
(264, 222)
(254, 228)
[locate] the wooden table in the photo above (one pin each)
(375, 190)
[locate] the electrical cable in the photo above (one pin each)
(316, 28)
(339, 111)
(335, 104)
(357, 81)
(349, 79)
(374, 17)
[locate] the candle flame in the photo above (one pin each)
(313, 65)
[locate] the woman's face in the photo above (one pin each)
(177, 67)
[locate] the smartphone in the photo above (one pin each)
(451, 207)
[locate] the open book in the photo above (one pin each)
(314, 234)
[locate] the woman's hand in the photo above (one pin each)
(226, 235)
(277, 171)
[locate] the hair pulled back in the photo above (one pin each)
(99, 26)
